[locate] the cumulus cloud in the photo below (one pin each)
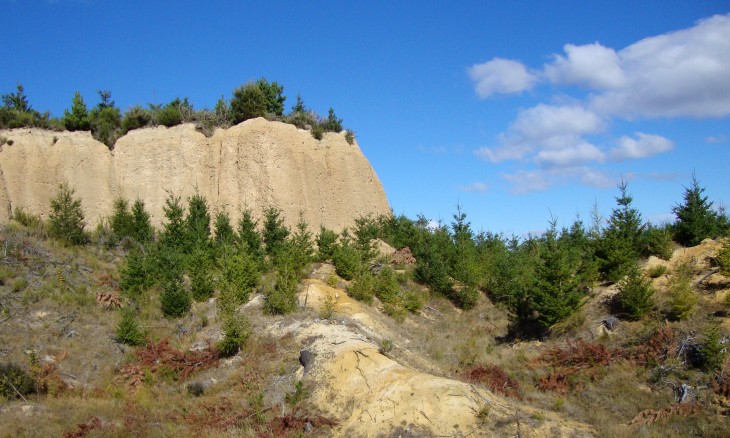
(475, 187)
(501, 76)
(549, 135)
(679, 74)
(645, 145)
(591, 65)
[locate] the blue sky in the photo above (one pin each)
(518, 110)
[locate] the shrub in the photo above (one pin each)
(14, 381)
(235, 333)
(657, 271)
(362, 288)
(239, 275)
(317, 131)
(170, 115)
(248, 102)
(332, 123)
(696, 220)
(346, 258)
(127, 330)
(66, 221)
(723, 258)
(682, 301)
(387, 288)
(282, 297)
(634, 296)
(326, 244)
(712, 351)
(659, 242)
(350, 137)
(78, 118)
(275, 232)
(26, 219)
(201, 282)
(174, 300)
(105, 119)
(122, 222)
(136, 118)
(466, 297)
(136, 276)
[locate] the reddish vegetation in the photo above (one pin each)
(161, 355)
(403, 256)
(494, 378)
(82, 429)
(721, 384)
(656, 348)
(580, 354)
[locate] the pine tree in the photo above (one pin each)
(696, 220)
(141, 224)
(224, 234)
(634, 296)
(175, 300)
(128, 330)
(122, 221)
(78, 118)
(198, 221)
(622, 241)
(66, 221)
(174, 230)
(275, 232)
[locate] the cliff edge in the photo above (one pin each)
(255, 165)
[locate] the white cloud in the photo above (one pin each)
(715, 139)
(679, 74)
(646, 145)
(549, 135)
(591, 65)
(543, 179)
(475, 187)
(501, 76)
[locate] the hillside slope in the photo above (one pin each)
(256, 164)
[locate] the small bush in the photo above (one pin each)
(347, 261)
(362, 288)
(26, 219)
(317, 131)
(466, 297)
(657, 271)
(128, 330)
(712, 351)
(723, 258)
(136, 118)
(682, 301)
(282, 297)
(350, 137)
(175, 300)
(634, 295)
(235, 333)
(328, 308)
(66, 221)
(15, 381)
(196, 389)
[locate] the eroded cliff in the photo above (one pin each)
(254, 165)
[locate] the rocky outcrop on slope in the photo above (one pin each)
(255, 165)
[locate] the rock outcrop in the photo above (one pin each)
(255, 165)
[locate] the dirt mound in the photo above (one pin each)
(370, 394)
(256, 164)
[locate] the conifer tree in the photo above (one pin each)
(622, 241)
(78, 118)
(224, 234)
(275, 232)
(122, 221)
(174, 230)
(198, 221)
(634, 294)
(141, 224)
(696, 220)
(66, 221)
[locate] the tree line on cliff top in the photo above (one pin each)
(107, 122)
(540, 280)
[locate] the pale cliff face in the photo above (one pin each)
(255, 164)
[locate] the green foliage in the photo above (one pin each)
(248, 233)
(466, 297)
(347, 260)
(301, 246)
(222, 112)
(66, 221)
(273, 92)
(136, 118)
(622, 242)
(197, 221)
(712, 350)
(350, 137)
(326, 244)
(317, 131)
(122, 221)
(302, 117)
(236, 331)
(199, 270)
(141, 226)
(175, 299)
(78, 118)
(248, 102)
(15, 381)
(682, 300)
(696, 220)
(16, 112)
(105, 120)
(128, 330)
(332, 123)
(275, 232)
(634, 294)
(659, 242)
(296, 397)
(170, 114)
(657, 271)
(26, 219)
(240, 273)
(174, 231)
(387, 288)
(282, 297)
(224, 234)
(363, 287)
(723, 258)
(137, 275)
